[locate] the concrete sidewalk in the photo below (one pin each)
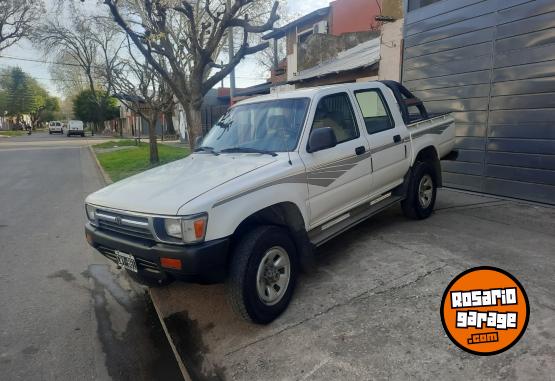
(370, 310)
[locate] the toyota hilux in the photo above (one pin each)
(276, 177)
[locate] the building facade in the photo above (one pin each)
(491, 63)
(328, 45)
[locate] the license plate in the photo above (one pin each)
(126, 261)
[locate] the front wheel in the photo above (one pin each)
(262, 275)
(422, 190)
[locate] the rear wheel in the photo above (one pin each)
(422, 190)
(262, 276)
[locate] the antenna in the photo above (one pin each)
(289, 156)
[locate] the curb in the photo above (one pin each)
(105, 176)
(182, 367)
(107, 181)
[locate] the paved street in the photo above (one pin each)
(66, 313)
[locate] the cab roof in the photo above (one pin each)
(308, 92)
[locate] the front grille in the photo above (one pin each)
(110, 254)
(125, 230)
(126, 225)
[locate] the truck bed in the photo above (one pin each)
(438, 131)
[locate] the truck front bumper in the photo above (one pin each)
(201, 263)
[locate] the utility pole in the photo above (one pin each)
(275, 55)
(231, 53)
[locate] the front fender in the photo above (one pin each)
(227, 214)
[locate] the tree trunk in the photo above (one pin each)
(194, 121)
(154, 159)
(168, 115)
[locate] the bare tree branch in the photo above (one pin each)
(17, 17)
(181, 40)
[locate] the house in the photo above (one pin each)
(491, 63)
(130, 123)
(216, 102)
(340, 43)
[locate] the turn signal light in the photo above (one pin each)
(199, 226)
(171, 263)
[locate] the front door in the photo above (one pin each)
(388, 141)
(338, 177)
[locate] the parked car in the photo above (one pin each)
(75, 127)
(55, 126)
(276, 177)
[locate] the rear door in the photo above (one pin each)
(388, 138)
(338, 177)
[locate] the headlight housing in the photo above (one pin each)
(190, 229)
(91, 212)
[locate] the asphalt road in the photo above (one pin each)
(66, 313)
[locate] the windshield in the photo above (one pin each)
(266, 126)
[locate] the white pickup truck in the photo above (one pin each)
(276, 177)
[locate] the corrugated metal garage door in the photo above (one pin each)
(492, 63)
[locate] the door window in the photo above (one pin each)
(374, 110)
(335, 111)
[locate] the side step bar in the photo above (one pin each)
(323, 233)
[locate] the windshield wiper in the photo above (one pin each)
(207, 149)
(248, 150)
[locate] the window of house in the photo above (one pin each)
(376, 115)
(415, 4)
(335, 111)
(304, 35)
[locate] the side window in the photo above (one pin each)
(374, 110)
(335, 111)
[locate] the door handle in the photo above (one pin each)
(397, 138)
(360, 150)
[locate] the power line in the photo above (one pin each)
(41, 61)
(78, 65)
(44, 79)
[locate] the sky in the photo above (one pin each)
(248, 73)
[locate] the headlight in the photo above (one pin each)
(173, 228)
(91, 212)
(188, 229)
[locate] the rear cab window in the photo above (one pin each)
(377, 117)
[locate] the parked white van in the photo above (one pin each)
(75, 127)
(55, 126)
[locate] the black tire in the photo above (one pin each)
(242, 283)
(49, 132)
(83, 135)
(412, 206)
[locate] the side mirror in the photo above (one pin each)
(198, 141)
(321, 138)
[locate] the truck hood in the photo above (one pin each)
(163, 190)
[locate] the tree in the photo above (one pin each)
(69, 80)
(267, 58)
(88, 45)
(143, 90)
(85, 106)
(51, 110)
(16, 20)
(21, 94)
(182, 41)
(42, 105)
